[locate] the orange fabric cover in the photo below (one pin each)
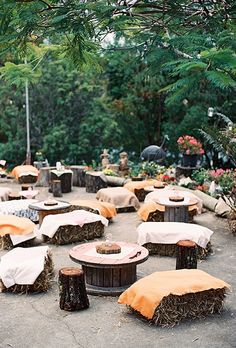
(146, 294)
(24, 170)
(11, 224)
(132, 185)
(148, 208)
(108, 210)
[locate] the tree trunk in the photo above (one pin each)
(56, 188)
(66, 181)
(44, 177)
(186, 254)
(73, 294)
(78, 175)
(95, 181)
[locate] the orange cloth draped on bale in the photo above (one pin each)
(11, 224)
(108, 210)
(18, 171)
(147, 293)
(148, 208)
(132, 185)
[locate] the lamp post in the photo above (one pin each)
(28, 150)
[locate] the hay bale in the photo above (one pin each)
(72, 234)
(27, 179)
(232, 226)
(174, 309)
(128, 209)
(140, 194)
(6, 243)
(171, 249)
(41, 284)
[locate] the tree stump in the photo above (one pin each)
(186, 254)
(44, 177)
(56, 188)
(184, 171)
(95, 181)
(78, 175)
(26, 187)
(66, 181)
(72, 290)
(13, 196)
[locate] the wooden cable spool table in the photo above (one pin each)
(177, 211)
(49, 210)
(109, 274)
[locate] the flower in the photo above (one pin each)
(189, 145)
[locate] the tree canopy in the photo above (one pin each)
(149, 68)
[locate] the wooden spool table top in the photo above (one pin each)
(39, 206)
(84, 254)
(187, 202)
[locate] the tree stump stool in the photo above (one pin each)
(26, 187)
(78, 175)
(44, 177)
(13, 196)
(186, 254)
(66, 181)
(185, 171)
(56, 188)
(95, 181)
(72, 290)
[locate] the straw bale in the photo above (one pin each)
(41, 284)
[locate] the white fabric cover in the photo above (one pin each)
(51, 223)
(22, 266)
(4, 192)
(172, 232)
(164, 194)
(20, 238)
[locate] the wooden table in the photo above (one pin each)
(48, 210)
(109, 274)
(177, 211)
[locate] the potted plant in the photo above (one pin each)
(191, 149)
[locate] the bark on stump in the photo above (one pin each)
(95, 181)
(72, 290)
(56, 188)
(185, 171)
(66, 181)
(78, 175)
(13, 196)
(44, 177)
(186, 254)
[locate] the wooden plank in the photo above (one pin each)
(108, 277)
(116, 277)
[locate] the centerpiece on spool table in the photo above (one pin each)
(191, 149)
(108, 247)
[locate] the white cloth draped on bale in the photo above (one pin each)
(51, 223)
(172, 232)
(17, 239)
(22, 266)
(4, 192)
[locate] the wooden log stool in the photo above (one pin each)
(26, 187)
(14, 196)
(56, 188)
(95, 181)
(186, 254)
(72, 290)
(66, 181)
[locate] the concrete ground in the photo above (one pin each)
(36, 321)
